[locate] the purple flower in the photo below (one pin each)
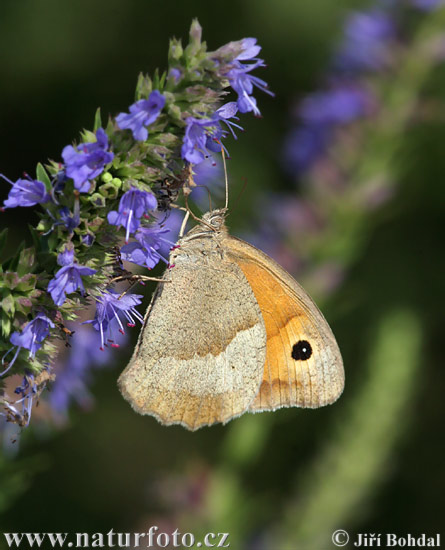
(69, 278)
(31, 337)
(109, 306)
(33, 334)
(242, 81)
(28, 391)
(25, 192)
(69, 220)
(250, 49)
(87, 161)
(142, 113)
(175, 73)
(132, 206)
(201, 133)
(146, 250)
(88, 239)
(366, 42)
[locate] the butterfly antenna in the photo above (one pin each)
(226, 179)
(184, 223)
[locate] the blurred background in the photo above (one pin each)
(345, 188)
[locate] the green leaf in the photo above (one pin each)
(175, 51)
(143, 87)
(43, 176)
(12, 264)
(10, 280)
(47, 261)
(97, 120)
(26, 283)
(3, 238)
(162, 80)
(26, 261)
(8, 305)
(5, 325)
(23, 304)
(88, 136)
(35, 237)
(156, 79)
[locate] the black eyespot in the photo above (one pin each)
(301, 351)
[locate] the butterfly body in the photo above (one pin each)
(229, 332)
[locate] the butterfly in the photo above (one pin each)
(229, 331)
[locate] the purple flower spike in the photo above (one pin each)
(69, 278)
(108, 308)
(133, 205)
(25, 192)
(142, 113)
(146, 250)
(87, 161)
(31, 337)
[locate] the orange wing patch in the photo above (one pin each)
(303, 365)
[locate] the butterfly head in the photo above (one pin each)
(215, 219)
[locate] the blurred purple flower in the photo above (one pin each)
(132, 206)
(201, 133)
(427, 5)
(366, 42)
(146, 251)
(303, 146)
(30, 338)
(108, 307)
(74, 374)
(142, 113)
(321, 112)
(242, 81)
(338, 105)
(25, 192)
(69, 278)
(174, 73)
(87, 161)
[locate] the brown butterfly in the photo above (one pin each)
(231, 332)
